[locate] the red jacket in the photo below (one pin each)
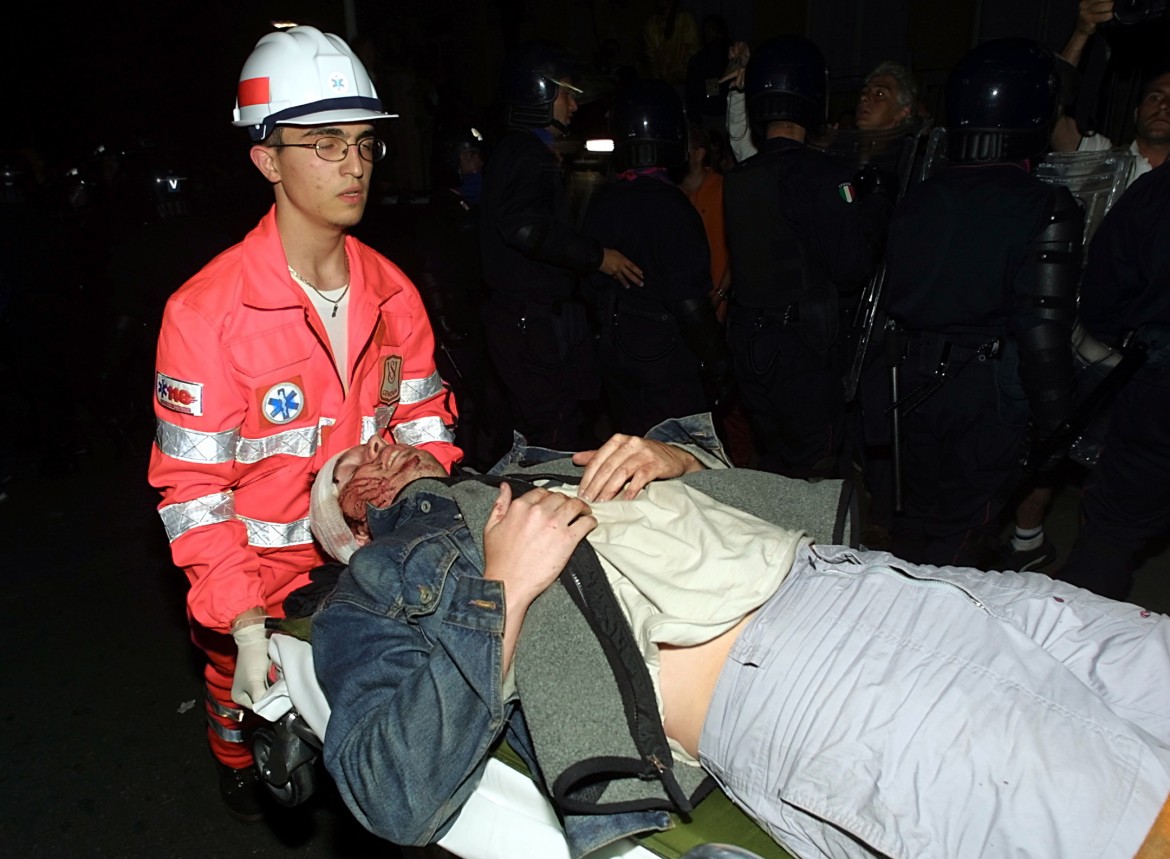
(249, 405)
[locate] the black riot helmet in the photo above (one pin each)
(649, 125)
(16, 181)
(531, 78)
(1001, 100)
(172, 193)
(787, 79)
(467, 139)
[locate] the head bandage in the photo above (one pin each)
(325, 517)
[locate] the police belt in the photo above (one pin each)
(943, 348)
(937, 353)
(785, 314)
(616, 307)
(524, 307)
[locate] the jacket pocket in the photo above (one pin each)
(394, 330)
(274, 352)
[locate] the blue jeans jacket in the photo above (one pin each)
(409, 652)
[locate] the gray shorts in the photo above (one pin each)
(875, 707)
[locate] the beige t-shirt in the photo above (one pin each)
(685, 567)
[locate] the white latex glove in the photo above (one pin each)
(251, 678)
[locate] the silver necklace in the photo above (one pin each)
(334, 301)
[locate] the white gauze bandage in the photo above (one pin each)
(325, 517)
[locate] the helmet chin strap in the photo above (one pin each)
(561, 128)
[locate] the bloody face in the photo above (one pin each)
(374, 473)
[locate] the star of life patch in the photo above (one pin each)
(179, 396)
(848, 194)
(283, 402)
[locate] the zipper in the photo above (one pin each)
(927, 581)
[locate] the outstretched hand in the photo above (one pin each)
(631, 462)
(528, 540)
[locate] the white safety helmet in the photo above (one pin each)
(302, 76)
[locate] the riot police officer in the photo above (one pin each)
(661, 349)
(1126, 293)
(800, 237)
(450, 281)
(536, 325)
(982, 262)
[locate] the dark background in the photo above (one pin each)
(101, 724)
(167, 71)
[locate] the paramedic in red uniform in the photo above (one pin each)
(288, 347)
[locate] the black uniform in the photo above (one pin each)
(969, 282)
(650, 367)
(450, 281)
(800, 244)
(536, 325)
(1126, 288)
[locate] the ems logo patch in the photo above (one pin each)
(283, 402)
(179, 396)
(845, 189)
(339, 83)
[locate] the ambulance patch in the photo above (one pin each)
(391, 380)
(283, 402)
(845, 189)
(179, 396)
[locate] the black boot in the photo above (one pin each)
(242, 792)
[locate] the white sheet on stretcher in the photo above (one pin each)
(506, 816)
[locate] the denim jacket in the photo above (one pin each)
(409, 651)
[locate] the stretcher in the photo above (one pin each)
(506, 816)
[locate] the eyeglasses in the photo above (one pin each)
(336, 148)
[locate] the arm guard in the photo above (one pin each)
(1047, 314)
(557, 245)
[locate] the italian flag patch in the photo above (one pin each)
(845, 189)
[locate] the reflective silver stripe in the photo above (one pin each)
(423, 430)
(228, 735)
(180, 518)
(273, 535)
(224, 712)
(417, 390)
(369, 427)
(193, 446)
(294, 442)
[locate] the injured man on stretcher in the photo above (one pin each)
(639, 619)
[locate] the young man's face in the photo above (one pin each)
(1153, 112)
(877, 107)
(331, 193)
(565, 106)
(375, 472)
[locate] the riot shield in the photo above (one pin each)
(1096, 179)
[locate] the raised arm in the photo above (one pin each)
(1066, 137)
